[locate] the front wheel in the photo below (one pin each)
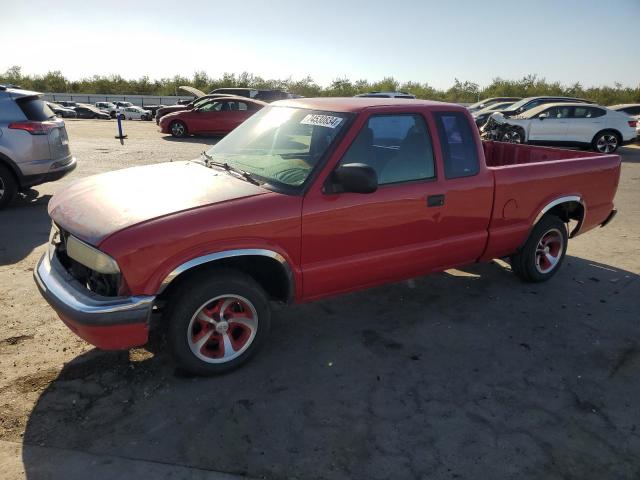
(513, 135)
(544, 251)
(178, 129)
(217, 322)
(606, 142)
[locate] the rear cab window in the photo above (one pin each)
(34, 108)
(459, 151)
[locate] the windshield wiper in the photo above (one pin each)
(209, 162)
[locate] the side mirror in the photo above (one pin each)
(542, 116)
(355, 178)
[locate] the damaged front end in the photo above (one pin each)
(499, 129)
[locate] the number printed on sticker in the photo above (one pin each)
(321, 120)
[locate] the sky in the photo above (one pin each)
(590, 41)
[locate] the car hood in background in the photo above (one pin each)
(98, 206)
(193, 91)
(172, 108)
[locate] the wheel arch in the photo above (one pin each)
(179, 120)
(13, 168)
(270, 269)
(608, 129)
(570, 207)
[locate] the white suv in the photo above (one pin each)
(574, 124)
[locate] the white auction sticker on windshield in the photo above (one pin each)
(321, 120)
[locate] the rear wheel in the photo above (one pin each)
(217, 321)
(8, 186)
(178, 129)
(606, 142)
(544, 251)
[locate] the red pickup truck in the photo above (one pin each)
(306, 199)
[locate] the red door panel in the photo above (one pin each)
(353, 240)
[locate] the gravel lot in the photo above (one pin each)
(466, 374)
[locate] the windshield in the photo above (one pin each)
(522, 103)
(280, 144)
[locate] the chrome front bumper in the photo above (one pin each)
(75, 303)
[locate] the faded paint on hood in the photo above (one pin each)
(98, 206)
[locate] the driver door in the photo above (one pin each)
(352, 240)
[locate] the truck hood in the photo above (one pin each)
(98, 206)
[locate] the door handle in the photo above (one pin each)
(435, 200)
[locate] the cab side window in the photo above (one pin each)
(397, 147)
(459, 150)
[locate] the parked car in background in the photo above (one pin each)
(632, 109)
(194, 103)
(67, 104)
(217, 117)
(262, 95)
(387, 95)
(306, 200)
(487, 102)
(481, 116)
(120, 105)
(528, 103)
(570, 124)
(62, 112)
(104, 106)
(135, 113)
(153, 108)
(257, 94)
(34, 147)
(89, 111)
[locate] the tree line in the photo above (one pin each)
(466, 92)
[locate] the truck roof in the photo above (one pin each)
(356, 104)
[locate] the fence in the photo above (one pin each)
(139, 100)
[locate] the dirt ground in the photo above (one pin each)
(466, 374)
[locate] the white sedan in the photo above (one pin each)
(571, 124)
(135, 113)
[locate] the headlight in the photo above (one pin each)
(90, 257)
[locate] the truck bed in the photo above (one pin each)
(500, 154)
(527, 178)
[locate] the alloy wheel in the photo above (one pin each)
(222, 328)
(2, 187)
(549, 251)
(607, 143)
(177, 129)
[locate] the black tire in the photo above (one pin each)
(206, 291)
(514, 135)
(178, 129)
(606, 141)
(530, 263)
(8, 186)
